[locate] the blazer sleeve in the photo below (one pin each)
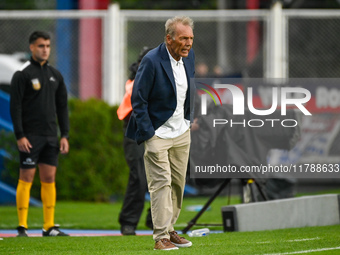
(139, 99)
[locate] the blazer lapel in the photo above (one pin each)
(167, 66)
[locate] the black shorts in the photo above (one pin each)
(45, 149)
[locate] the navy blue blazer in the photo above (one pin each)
(154, 93)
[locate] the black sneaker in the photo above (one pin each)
(53, 231)
(22, 231)
(128, 230)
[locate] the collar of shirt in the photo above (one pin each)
(37, 63)
(174, 61)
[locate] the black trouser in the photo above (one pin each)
(137, 186)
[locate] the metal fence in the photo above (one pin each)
(313, 38)
(227, 43)
(93, 50)
(220, 43)
(73, 51)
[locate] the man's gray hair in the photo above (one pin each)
(170, 25)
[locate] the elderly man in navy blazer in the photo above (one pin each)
(161, 120)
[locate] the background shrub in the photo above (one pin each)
(95, 168)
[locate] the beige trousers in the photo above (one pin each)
(166, 162)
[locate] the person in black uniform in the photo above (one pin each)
(38, 99)
(133, 204)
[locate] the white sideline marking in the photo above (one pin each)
(294, 240)
(302, 240)
(307, 251)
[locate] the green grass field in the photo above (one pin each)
(79, 215)
(264, 242)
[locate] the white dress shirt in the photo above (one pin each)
(176, 125)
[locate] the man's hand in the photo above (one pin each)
(195, 126)
(64, 146)
(24, 145)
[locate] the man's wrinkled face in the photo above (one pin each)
(40, 50)
(180, 45)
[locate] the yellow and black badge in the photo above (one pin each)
(36, 84)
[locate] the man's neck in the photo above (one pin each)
(177, 58)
